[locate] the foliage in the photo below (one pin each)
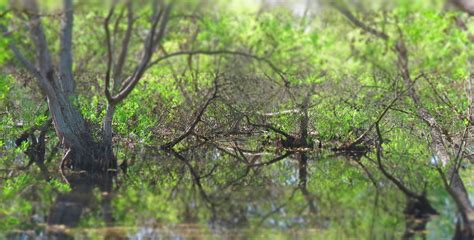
(271, 70)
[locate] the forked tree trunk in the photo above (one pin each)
(83, 151)
(71, 128)
(58, 86)
(73, 132)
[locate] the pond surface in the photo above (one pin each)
(162, 198)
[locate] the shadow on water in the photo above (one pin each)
(417, 215)
(297, 198)
(68, 207)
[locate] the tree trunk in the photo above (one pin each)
(86, 153)
(452, 180)
(58, 85)
(109, 161)
(73, 132)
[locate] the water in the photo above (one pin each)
(162, 199)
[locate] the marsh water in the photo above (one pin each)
(205, 196)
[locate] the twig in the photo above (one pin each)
(279, 158)
(61, 166)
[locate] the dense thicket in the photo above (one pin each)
(343, 97)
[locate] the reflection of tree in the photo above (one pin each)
(221, 202)
(68, 207)
(442, 143)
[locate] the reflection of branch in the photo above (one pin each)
(194, 174)
(367, 171)
(393, 179)
(277, 208)
(231, 183)
(228, 152)
(456, 187)
(213, 169)
(279, 158)
(464, 207)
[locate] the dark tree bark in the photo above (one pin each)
(58, 85)
(303, 158)
(85, 152)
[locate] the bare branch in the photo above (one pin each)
(109, 53)
(393, 179)
(270, 127)
(150, 46)
(43, 58)
(65, 55)
(30, 67)
(384, 112)
(220, 52)
(118, 69)
(197, 119)
(25, 62)
(279, 113)
(348, 14)
(62, 164)
(277, 159)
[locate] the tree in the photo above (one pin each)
(57, 83)
(448, 150)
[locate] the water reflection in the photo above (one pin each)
(68, 207)
(417, 215)
(185, 197)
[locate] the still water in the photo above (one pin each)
(165, 198)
